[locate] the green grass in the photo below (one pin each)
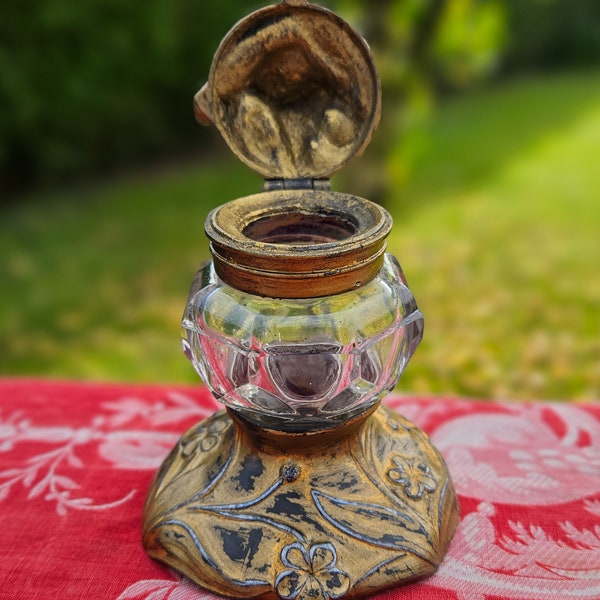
(498, 233)
(95, 280)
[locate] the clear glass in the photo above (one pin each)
(301, 364)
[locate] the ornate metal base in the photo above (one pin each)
(347, 512)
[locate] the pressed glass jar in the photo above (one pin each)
(302, 363)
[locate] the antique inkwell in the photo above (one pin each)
(304, 487)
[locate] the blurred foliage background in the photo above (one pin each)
(486, 156)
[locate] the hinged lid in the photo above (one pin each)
(293, 90)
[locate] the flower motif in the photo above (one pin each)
(204, 438)
(311, 574)
(413, 475)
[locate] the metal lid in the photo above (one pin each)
(293, 90)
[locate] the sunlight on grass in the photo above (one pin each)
(498, 233)
(97, 278)
(504, 265)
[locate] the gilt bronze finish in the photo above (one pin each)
(304, 487)
(278, 255)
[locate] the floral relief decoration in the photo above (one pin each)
(205, 438)
(413, 475)
(311, 573)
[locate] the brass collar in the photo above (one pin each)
(298, 243)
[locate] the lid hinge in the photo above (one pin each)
(303, 183)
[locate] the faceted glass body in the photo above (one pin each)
(301, 365)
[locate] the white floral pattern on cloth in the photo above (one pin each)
(179, 588)
(528, 476)
(44, 473)
(530, 455)
(539, 462)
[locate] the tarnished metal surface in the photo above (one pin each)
(272, 515)
(298, 243)
(359, 503)
(293, 90)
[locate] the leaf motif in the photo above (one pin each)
(232, 550)
(38, 488)
(74, 461)
(75, 502)
(45, 457)
(144, 588)
(375, 524)
(136, 450)
(11, 473)
(199, 470)
(163, 589)
(261, 133)
(29, 478)
(65, 482)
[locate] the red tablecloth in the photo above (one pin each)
(76, 461)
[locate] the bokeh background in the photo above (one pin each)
(487, 156)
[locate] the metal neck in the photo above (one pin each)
(298, 243)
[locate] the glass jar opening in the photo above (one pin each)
(300, 228)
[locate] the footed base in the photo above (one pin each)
(349, 512)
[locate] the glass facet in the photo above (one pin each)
(301, 364)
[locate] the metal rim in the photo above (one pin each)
(335, 52)
(298, 267)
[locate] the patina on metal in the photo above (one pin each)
(294, 91)
(292, 504)
(298, 243)
(347, 512)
